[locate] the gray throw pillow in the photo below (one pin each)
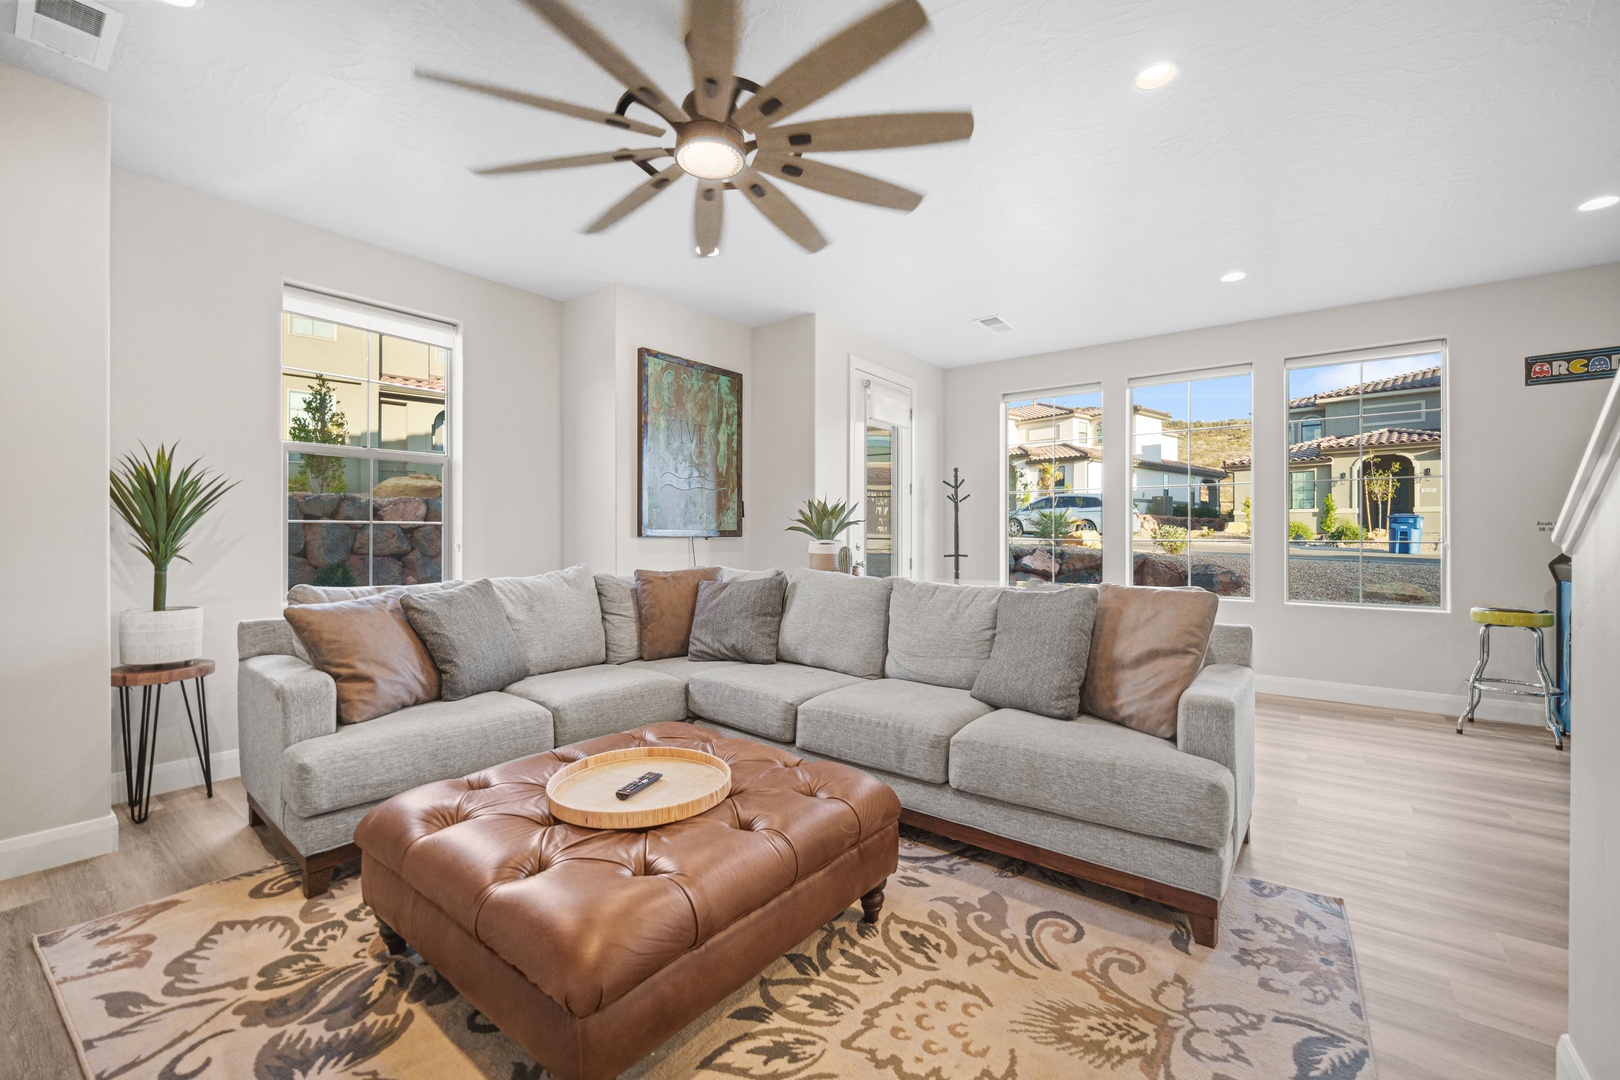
(1038, 661)
(466, 632)
(620, 621)
(738, 619)
(557, 618)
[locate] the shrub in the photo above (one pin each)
(1053, 524)
(1298, 530)
(1345, 531)
(337, 574)
(1330, 514)
(1171, 538)
(1205, 512)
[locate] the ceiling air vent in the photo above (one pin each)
(995, 324)
(77, 28)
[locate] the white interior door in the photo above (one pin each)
(881, 475)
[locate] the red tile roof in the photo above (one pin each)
(432, 382)
(1412, 380)
(1068, 451)
(1318, 450)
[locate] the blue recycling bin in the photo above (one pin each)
(1405, 533)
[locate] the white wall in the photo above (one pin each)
(196, 288)
(1511, 451)
(54, 163)
(781, 439)
(836, 347)
(1589, 530)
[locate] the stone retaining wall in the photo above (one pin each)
(379, 541)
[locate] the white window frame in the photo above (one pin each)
(363, 315)
(1005, 495)
(1419, 347)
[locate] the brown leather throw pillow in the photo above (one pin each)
(368, 647)
(1147, 646)
(665, 601)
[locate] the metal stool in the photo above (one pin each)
(1546, 689)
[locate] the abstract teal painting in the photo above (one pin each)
(690, 462)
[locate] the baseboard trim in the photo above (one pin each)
(1569, 1063)
(1381, 697)
(184, 773)
(59, 846)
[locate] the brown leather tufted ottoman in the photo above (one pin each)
(590, 948)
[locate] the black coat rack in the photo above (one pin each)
(957, 499)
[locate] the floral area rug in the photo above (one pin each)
(980, 968)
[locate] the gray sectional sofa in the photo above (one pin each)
(870, 672)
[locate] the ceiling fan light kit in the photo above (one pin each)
(715, 132)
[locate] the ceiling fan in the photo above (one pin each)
(717, 128)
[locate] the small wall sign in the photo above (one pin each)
(1571, 366)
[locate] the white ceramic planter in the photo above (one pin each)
(160, 637)
(824, 554)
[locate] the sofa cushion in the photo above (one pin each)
(331, 594)
(682, 667)
(940, 634)
(738, 619)
(758, 699)
(665, 602)
(467, 633)
(1147, 647)
(890, 724)
(1093, 770)
(556, 618)
(371, 652)
(1039, 656)
(604, 699)
(366, 762)
(617, 595)
(836, 621)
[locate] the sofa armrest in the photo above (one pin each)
(266, 637)
(1215, 720)
(280, 700)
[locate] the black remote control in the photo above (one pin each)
(637, 784)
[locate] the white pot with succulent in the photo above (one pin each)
(823, 522)
(161, 505)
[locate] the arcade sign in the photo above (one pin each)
(1571, 366)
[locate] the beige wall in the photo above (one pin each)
(196, 287)
(782, 439)
(54, 162)
(1497, 493)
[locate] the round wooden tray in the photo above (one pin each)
(581, 793)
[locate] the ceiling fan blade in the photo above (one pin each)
(868, 132)
(589, 40)
(707, 214)
(782, 211)
(612, 119)
(644, 154)
(711, 42)
(835, 181)
(832, 64)
(637, 198)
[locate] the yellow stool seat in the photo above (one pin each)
(1501, 616)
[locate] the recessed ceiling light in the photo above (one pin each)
(1599, 203)
(1235, 275)
(1156, 75)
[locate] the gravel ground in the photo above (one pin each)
(1341, 580)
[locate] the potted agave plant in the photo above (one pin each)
(161, 505)
(823, 522)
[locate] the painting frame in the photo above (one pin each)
(684, 429)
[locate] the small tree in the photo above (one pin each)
(1047, 476)
(1380, 487)
(1330, 514)
(1246, 507)
(321, 422)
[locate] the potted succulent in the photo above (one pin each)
(823, 522)
(161, 505)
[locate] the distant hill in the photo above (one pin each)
(1214, 441)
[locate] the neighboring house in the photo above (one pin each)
(1070, 440)
(1337, 436)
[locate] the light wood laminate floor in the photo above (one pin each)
(1452, 854)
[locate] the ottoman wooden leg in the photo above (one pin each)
(872, 904)
(391, 940)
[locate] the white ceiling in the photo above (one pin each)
(1338, 151)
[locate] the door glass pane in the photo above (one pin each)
(879, 521)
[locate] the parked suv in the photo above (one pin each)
(1082, 511)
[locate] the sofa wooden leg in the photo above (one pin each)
(872, 904)
(253, 816)
(316, 882)
(391, 940)
(1205, 928)
(1246, 831)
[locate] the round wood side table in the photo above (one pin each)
(138, 770)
